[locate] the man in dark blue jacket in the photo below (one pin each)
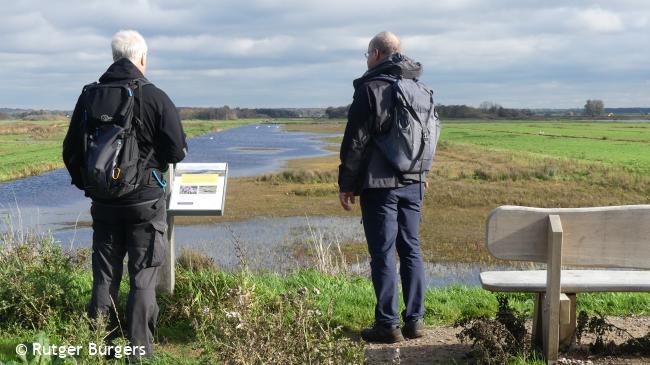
(390, 201)
(136, 223)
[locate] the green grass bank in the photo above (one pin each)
(227, 317)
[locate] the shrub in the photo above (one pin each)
(496, 341)
(41, 283)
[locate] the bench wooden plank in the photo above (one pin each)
(572, 281)
(617, 236)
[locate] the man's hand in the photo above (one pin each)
(346, 199)
(426, 185)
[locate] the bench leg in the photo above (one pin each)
(538, 333)
(553, 290)
(568, 325)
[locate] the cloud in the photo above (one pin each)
(598, 20)
(211, 44)
(306, 53)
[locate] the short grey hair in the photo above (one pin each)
(386, 43)
(128, 44)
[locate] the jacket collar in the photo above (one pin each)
(120, 70)
(396, 65)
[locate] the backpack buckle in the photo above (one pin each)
(116, 173)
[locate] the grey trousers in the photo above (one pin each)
(139, 231)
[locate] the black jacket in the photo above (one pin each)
(161, 130)
(362, 164)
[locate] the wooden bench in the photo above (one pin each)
(601, 237)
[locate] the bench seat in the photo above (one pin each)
(572, 281)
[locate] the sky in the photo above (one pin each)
(301, 53)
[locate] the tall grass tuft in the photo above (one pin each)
(301, 177)
(326, 254)
(193, 260)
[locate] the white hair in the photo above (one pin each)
(128, 44)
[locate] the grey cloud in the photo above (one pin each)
(305, 53)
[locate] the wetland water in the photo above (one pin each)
(49, 203)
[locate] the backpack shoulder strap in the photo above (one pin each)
(89, 85)
(138, 84)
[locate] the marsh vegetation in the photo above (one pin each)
(216, 313)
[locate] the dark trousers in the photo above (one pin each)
(391, 221)
(139, 231)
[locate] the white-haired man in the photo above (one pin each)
(131, 218)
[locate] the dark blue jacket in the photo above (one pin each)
(362, 164)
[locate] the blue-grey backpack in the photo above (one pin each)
(112, 166)
(409, 145)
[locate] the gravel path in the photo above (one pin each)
(440, 346)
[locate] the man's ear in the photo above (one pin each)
(377, 54)
(143, 59)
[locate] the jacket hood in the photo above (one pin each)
(396, 65)
(122, 69)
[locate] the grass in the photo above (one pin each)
(468, 180)
(479, 166)
(32, 148)
(620, 144)
(216, 315)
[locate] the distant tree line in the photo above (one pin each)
(487, 110)
(337, 112)
(34, 115)
(225, 112)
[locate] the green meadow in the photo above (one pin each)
(617, 143)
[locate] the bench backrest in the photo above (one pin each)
(617, 236)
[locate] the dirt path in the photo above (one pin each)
(440, 346)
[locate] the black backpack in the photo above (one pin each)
(112, 166)
(409, 144)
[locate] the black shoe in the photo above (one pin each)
(413, 328)
(379, 333)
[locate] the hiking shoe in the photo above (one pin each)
(379, 333)
(413, 328)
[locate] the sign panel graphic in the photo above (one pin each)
(198, 189)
